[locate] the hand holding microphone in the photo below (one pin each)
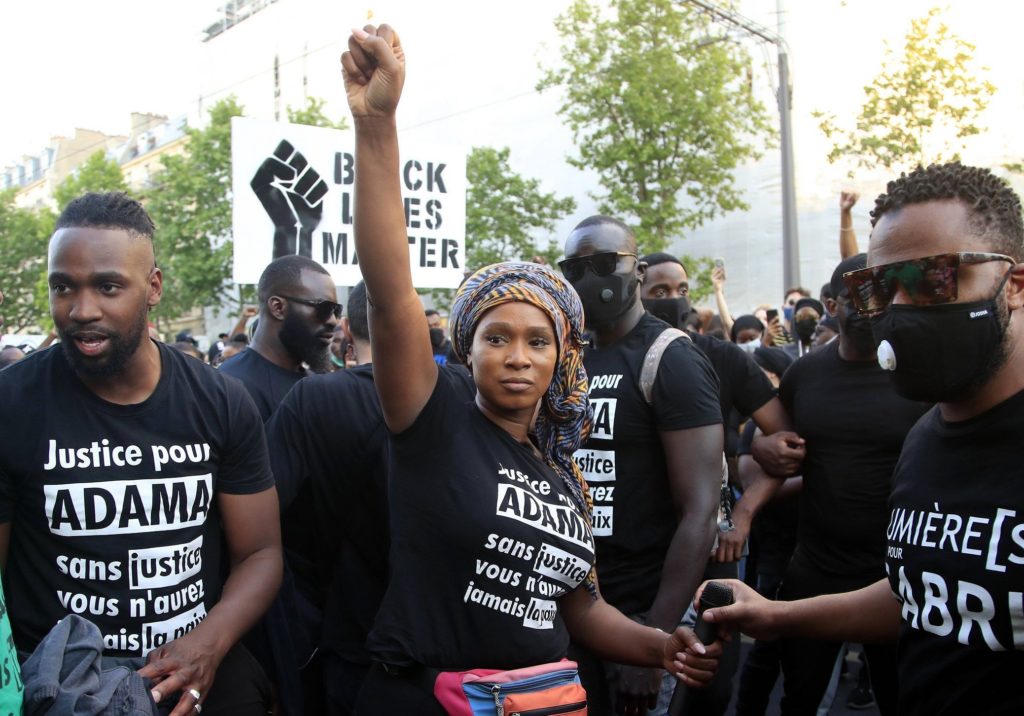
(715, 594)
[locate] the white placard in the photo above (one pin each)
(294, 193)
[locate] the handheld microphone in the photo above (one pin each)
(715, 594)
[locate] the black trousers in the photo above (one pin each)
(807, 663)
(386, 695)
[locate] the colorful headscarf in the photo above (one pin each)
(564, 421)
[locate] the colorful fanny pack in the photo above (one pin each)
(544, 690)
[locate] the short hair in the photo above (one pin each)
(826, 291)
(358, 325)
(797, 289)
(428, 313)
(994, 208)
(601, 219)
(661, 258)
(107, 210)
(284, 275)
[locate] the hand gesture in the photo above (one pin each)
(638, 689)
(731, 543)
(718, 277)
(185, 665)
(771, 332)
(749, 613)
(292, 193)
(780, 454)
(374, 69)
(847, 199)
(690, 661)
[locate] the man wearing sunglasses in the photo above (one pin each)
(654, 470)
(298, 314)
(944, 287)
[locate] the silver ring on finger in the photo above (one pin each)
(195, 694)
(198, 708)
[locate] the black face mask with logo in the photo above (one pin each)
(941, 353)
(606, 298)
(673, 311)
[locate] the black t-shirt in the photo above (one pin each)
(742, 385)
(854, 424)
(624, 461)
(329, 453)
(266, 382)
(485, 537)
(114, 507)
(955, 560)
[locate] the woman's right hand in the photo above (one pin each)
(374, 70)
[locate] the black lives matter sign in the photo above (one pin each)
(294, 193)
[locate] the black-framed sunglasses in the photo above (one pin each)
(323, 308)
(602, 264)
(927, 281)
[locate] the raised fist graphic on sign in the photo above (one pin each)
(292, 192)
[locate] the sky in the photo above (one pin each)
(471, 75)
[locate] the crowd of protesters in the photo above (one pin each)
(336, 508)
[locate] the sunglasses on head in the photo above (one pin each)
(929, 281)
(322, 308)
(602, 264)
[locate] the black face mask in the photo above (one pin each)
(805, 328)
(941, 353)
(673, 311)
(606, 298)
(857, 329)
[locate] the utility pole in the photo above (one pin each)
(790, 238)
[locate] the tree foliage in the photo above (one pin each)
(506, 211)
(922, 105)
(24, 234)
(97, 173)
(661, 112)
(314, 115)
(190, 202)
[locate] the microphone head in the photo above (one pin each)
(716, 594)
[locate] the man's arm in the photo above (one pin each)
(252, 532)
(758, 490)
(847, 236)
(869, 616)
(694, 461)
(718, 280)
(247, 313)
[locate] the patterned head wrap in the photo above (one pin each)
(564, 420)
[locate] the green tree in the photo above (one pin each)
(97, 173)
(660, 109)
(922, 105)
(505, 211)
(24, 234)
(313, 114)
(190, 202)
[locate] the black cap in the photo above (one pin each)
(812, 302)
(854, 263)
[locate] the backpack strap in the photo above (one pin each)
(652, 360)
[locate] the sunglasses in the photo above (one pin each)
(929, 281)
(602, 264)
(322, 308)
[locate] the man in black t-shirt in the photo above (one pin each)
(298, 314)
(655, 471)
(744, 391)
(329, 452)
(854, 424)
(945, 287)
(115, 488)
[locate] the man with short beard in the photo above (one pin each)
(137, 482)
(298, 314)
